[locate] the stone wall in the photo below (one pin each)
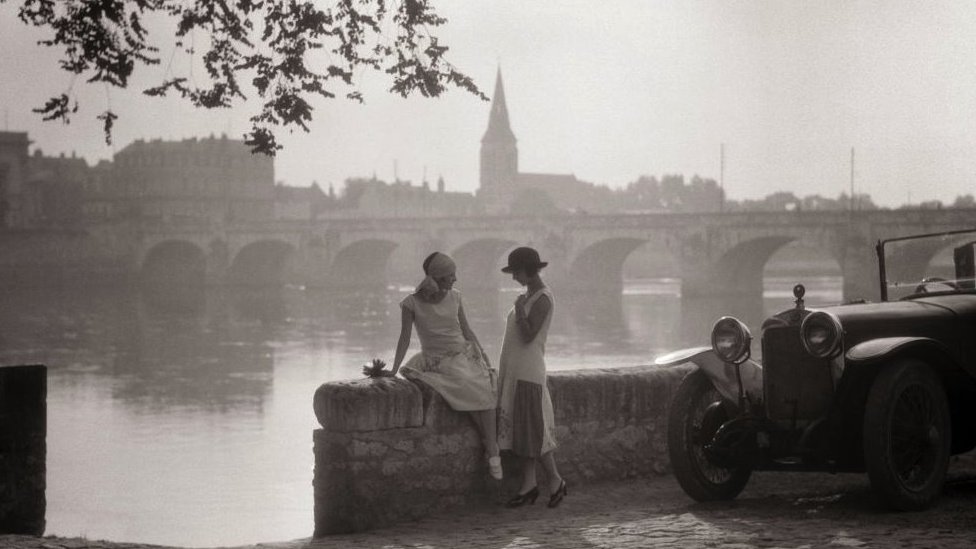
(39, 258)
(23, 449)
(391, 449)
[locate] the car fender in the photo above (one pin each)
(886, 347)
(720, 373)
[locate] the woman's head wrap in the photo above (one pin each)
(438, 265)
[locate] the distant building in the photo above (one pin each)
(55, 189)
(503, 189)
(13, 178)
(210, 179)
(103, 201)
(373, 197)
(38, 190)
(299, 203)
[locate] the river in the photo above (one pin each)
(185, 418)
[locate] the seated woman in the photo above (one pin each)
(451, 358)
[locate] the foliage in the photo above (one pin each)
(290, 50)
(375, 369)
(964, 201)
(672, 194)
(787, 201)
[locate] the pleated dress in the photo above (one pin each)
(450, 364)
(525, 424)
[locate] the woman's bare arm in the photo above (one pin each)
(530, 324)
(406, 329)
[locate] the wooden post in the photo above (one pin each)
(23, 449)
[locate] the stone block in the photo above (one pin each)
(379, 462)
(368, 405)
(420, 470)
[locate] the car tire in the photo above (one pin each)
(907, 435)
(700, 478)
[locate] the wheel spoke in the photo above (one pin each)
(696, 439)
(912, 452)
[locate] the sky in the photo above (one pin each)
(610, 91)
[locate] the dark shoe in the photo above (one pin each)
(558, 495)
(521, 499)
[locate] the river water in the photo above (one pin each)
(185, 418)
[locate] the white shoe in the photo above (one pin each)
(495, 467)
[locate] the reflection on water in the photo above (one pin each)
(184, 417)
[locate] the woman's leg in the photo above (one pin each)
(485, 421)
(552, 475)
(528, 475)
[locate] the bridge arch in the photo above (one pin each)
(734, 284)
(362, 263)
(174, 262)
(598, 267)
(263, 263)
(802, 262)
(479, 262)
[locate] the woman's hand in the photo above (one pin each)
(520, 301)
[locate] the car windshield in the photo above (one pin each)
(933, 263)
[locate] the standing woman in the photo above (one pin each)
(451, 359)
(526, 424)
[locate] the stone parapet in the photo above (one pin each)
(368, 405)
(23, 449)
(612, 423)
(392, 450)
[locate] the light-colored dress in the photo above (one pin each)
(525, 423)
(450, 364)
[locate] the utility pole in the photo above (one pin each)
(852, 178)
(721, 177)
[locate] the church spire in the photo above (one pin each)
(499, 128)
(499, 155)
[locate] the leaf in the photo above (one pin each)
(108, 119)
(57, 108)
(374, 368)
(274, 47)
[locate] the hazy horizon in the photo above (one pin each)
(610, 93)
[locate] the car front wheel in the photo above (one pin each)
(696, 413)
(907, 435)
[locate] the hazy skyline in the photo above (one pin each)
(610, 92)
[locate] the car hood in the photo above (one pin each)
(931, 316)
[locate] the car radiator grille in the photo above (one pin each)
(797, 386)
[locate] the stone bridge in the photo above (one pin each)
(716, 254)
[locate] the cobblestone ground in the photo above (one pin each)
(776, 510)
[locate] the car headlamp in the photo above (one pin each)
(731, 340)
(821, 334)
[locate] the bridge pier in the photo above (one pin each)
(706, 298)
(313, 266)
(861, 279)
(216, 263)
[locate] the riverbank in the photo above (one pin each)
(52, 542)
(775, 510)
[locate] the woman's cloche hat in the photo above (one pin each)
(523, 258)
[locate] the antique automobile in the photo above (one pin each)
(887, 387)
